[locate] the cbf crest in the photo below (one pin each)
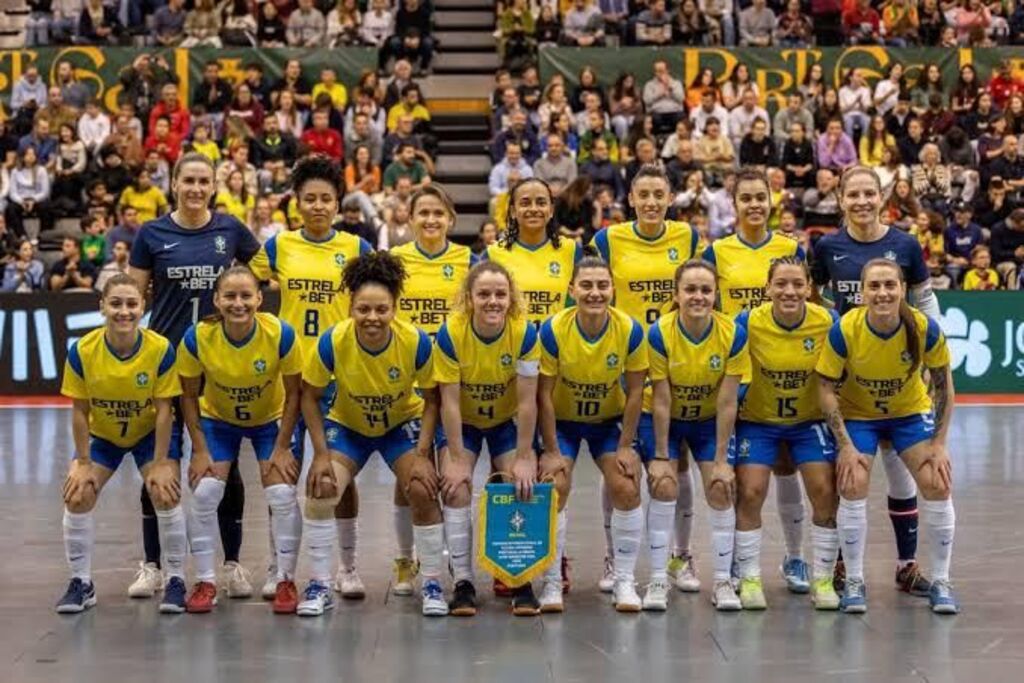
(905, 356)
(554, 269)
(715, 362)
(448, 271)
(808, 344)
(339, 260)
(890, 254)
(673, 255)
(142, 379)
(612, 360)
(259, 365)
(506, 360)
(394, 373)
(220, 245)
(517, 522)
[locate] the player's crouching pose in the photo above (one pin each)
(377, 362)
(781, 409)
(877, 352)
(252, 368)
(122, 380)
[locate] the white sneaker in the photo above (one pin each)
(551, 597)
(724, 598)
(237, 578)
(269, 590)
(348, 583)
(434, 604)
(626, 598)
(607, 582)
(683, 573)
(148, 580)
(316, 600)
(656, 596)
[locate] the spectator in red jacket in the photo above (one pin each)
(1004, 85)
(171, 108)
(861, 25)
(322, 139)
(166, 143)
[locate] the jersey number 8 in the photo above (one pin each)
(311, 328)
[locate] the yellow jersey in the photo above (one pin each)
(784, 386)
(433, 281)
(542, 273)
(375, 389)
(149, 203)
(309, 273)
(974, 280)
(644, 268)
(873, 367)
(486, 369)
(121, 391)
(743, 268)
(695, 368)
(589, 371)
(243, 383)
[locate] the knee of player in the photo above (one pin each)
(460, 497)
(625, 491)
(208, 494)
(855, 490)
(718, 497)
(824, 498)
(419, 496)
(935, 490)
(321, 508)
(82, 502)
(280, 496)
(751, 490)
(165, 501)
(664, 488)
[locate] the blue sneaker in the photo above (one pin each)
(797, 575)
(316, 599)
(942, 598)
(854, 600)
(174, 596)
(79, 597)
(434, 604)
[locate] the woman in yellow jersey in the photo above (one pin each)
(589, 352)
(307, 264)
(532, 249)
(241, 378)
(436, 266)
(121, 380)
(378, 363)
(872, 390)
(742, 261)
(699, 358)
(781, 409)
(644, 256)
(486, 363)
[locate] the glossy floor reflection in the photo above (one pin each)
(384, 639)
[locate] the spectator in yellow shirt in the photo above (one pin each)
(236, 199)
(145, 197)
(874, 141)
(329, 84)
(411, 104)
(202, 143)
(981, 276)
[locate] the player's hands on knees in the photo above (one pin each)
(81, 484)
(423, 471)
(163, 481)
(524, 474)
(552, 464)
(321, 482)
(456, 471)
(723, 475)
(627, 462)
(285, 463)
(200, 466)
(659, 470)
(849, 465)
(941, 467)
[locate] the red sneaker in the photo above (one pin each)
(286, 598)
(566, 579)
(202, 599)
(501, 590)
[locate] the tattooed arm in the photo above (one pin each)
(833, 416)
(851, 465)
(942, 390)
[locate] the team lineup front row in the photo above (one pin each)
(787, 375)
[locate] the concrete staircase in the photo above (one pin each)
(457, 96)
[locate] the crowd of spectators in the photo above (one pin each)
(523, 25)
(67, 161)
(950, 155)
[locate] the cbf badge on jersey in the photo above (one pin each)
(516, 539)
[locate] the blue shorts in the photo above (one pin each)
(903, 432)
(700, 436)
(757, 443)
(358, 447)
(601, 437)
(225, 439)
(299, 435)
(110, 455)
(500, 438)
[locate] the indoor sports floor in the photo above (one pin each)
(384, 638)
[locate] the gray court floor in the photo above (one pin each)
(385, 639)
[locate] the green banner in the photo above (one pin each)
(985, 333)
(99, 67)
(776, 71)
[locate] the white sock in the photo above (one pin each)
(285, 528)
(430, 549)
(790, 498)
(173, 540)
(940, 520)
(203, 531)
(402, 518)
(348, 535)
(660, 517)
(606, 511)
(272, 545)
(458, 530)
(901, 481)
(79, 538)
(627, 530)
(748, 553)
(320, 537)
(554, 571)
(723, 532)
(826, 547)
(852, 522)
(684, 514)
